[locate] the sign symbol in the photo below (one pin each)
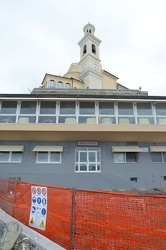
(33, 209)
(32, 221)
(34, 190)
(44, 201)
(42, 223)
(38, 190)
(38, 200)
(44, 191)
(43, 211)
(34, 199)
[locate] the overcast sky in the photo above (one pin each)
(41, 36)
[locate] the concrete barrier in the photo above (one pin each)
(11, 229)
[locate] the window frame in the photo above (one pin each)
(100, 113)
(124, 154)
(87, 162)
(48, 157)
(161, 155)
(10, 154)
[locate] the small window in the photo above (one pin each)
(68, 86)
(67, 108)
(87, 108)
(164, 178)
(51, 84)
(93, 49)
(84, 49)
(144, 108)
(12, 157)
(48, 157)
(159, 157)
(125, 108)
(106, 108)
(126, 157)
(160, 109)
(8, 107)
(60, 85)
(133, 179)
(28, 107)
(47, 107)
(15, 178)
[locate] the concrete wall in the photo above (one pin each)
(113, 176)
(38, 241)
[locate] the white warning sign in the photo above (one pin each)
(38, 212)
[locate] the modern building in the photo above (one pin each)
(84, 130)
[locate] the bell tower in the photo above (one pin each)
(90, 67)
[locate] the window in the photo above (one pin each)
(67, 112)
(158, 157)
(93, 49)
(158, 153)
(87, 113)
(125, 157)
(48, 157)
(144, 109)
(28, 107)
(84, 49)
(60, 85)
(106, 108)
(47, 112)
(126, 154)
(11, 154)
(27, 112)
(48, 154)
(47, 107)
(51, 84)
(87, 160)
(126, 113)
(133, 179)
(8, 112)
(8, 107)
(160, 109)
(125, 108)
(68, 86)
(87, 108)
(14, 157)
(161, 113)
(15, 178)
(67, 108)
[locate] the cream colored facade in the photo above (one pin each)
(88, 73)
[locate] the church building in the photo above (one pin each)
(84, 130)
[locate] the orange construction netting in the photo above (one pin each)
(93, 220)
(7, 195)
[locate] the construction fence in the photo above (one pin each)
(92, 220)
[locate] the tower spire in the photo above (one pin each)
(91, 69)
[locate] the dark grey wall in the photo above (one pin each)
(112, 176)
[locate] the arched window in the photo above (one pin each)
(68, 86)
(84, 49)
(93, 49)
(60, 84)
(51, 84)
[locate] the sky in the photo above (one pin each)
(41, 36)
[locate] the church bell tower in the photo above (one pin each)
(91, 69)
